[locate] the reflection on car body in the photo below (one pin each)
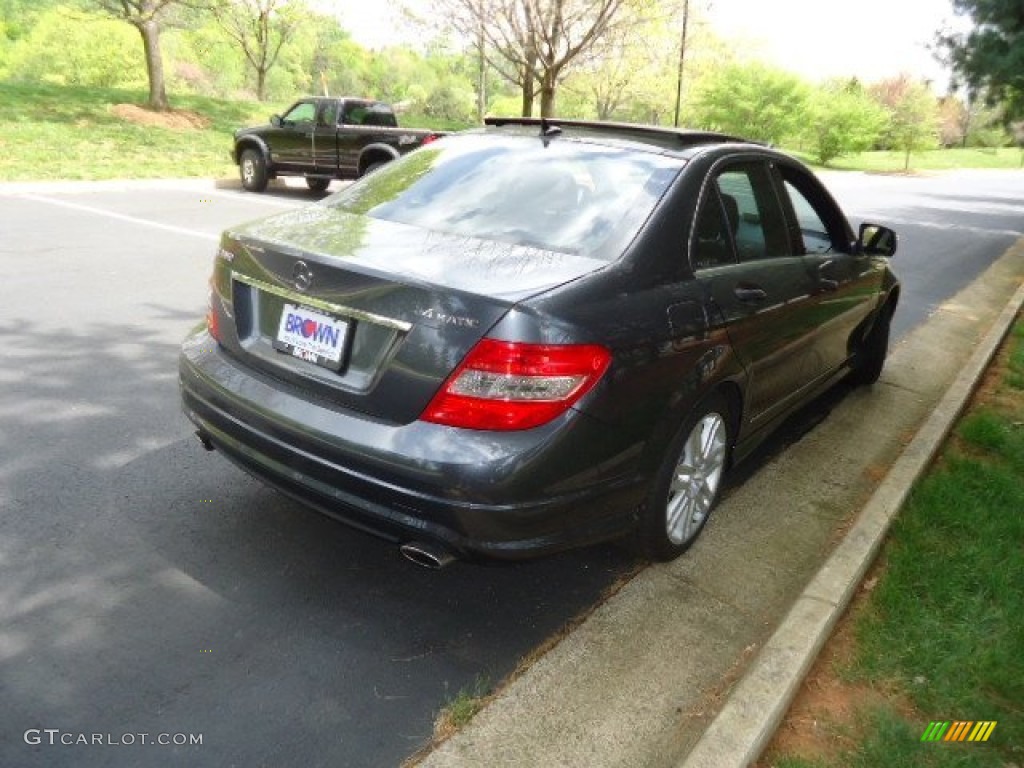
(550, 333)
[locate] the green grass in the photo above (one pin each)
(944, 623)
(56, 132)
(940, 635)
(458, 711)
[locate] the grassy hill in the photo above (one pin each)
(63, 132)
(56, 132)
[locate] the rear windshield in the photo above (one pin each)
(560, 195)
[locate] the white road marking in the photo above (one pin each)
(251, 198)
(123, 217)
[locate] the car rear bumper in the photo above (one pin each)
(506, 495)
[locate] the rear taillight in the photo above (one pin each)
(430, 137)
(504, 385)
(212, 318)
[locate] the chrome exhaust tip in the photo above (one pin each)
(204, 439)
(426, 555)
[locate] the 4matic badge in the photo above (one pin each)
(446, 319)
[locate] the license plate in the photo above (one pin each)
(311, 336)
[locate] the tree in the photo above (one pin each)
(913, 114)
(261, 28)
(844, 119)
(752, 100)
(637, 64)
(69, 47)
(533, 43)
(146, 16)
(990, 57)
(18, 17)
(972, 123)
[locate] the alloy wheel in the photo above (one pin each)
(696, 478)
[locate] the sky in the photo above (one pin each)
(817, 39)
(871, 39)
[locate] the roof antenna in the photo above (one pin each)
(547, 129)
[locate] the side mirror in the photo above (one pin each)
(275, 120)
(876, 240)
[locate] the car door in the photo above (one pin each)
(845, 282)
(759, 290)
(325, 138)
(351, 135)
(291, 140)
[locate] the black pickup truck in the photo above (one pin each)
(323, 139)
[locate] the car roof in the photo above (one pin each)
(666, 140)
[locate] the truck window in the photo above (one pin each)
(368, 113)
(303, 112)
(328, 114)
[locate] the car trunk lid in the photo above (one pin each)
(368, 314)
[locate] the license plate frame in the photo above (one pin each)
(312, 335)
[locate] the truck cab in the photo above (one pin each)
(323, 139)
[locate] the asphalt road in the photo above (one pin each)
(147, 587)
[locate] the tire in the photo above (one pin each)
(252, 169)
(373, 167)
(869, 360)
(688, 483)
(317, 185)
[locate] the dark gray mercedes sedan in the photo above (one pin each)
(535, 335)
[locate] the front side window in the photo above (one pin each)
(565, 196)
(819, 227)
(301, 113)
(813, 231)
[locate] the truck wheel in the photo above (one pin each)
(253, 170)
(373, 167)
(317, 185)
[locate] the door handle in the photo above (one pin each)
(750, 294)
(827, 282)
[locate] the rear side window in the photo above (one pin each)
(328, 114)
(737, 191)
(712, 245)
(368, 113)
(757, 223)
(562, 195)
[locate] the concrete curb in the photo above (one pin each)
(756, 707)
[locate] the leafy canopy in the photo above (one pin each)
(990, 57)
(753, 101)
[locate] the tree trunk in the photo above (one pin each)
(527, 101)
(529, 81)
(547, 92)
(261, 85)
(528, 93)
(150, 31)
(481, 83)
(906, 160)
(547, 100)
